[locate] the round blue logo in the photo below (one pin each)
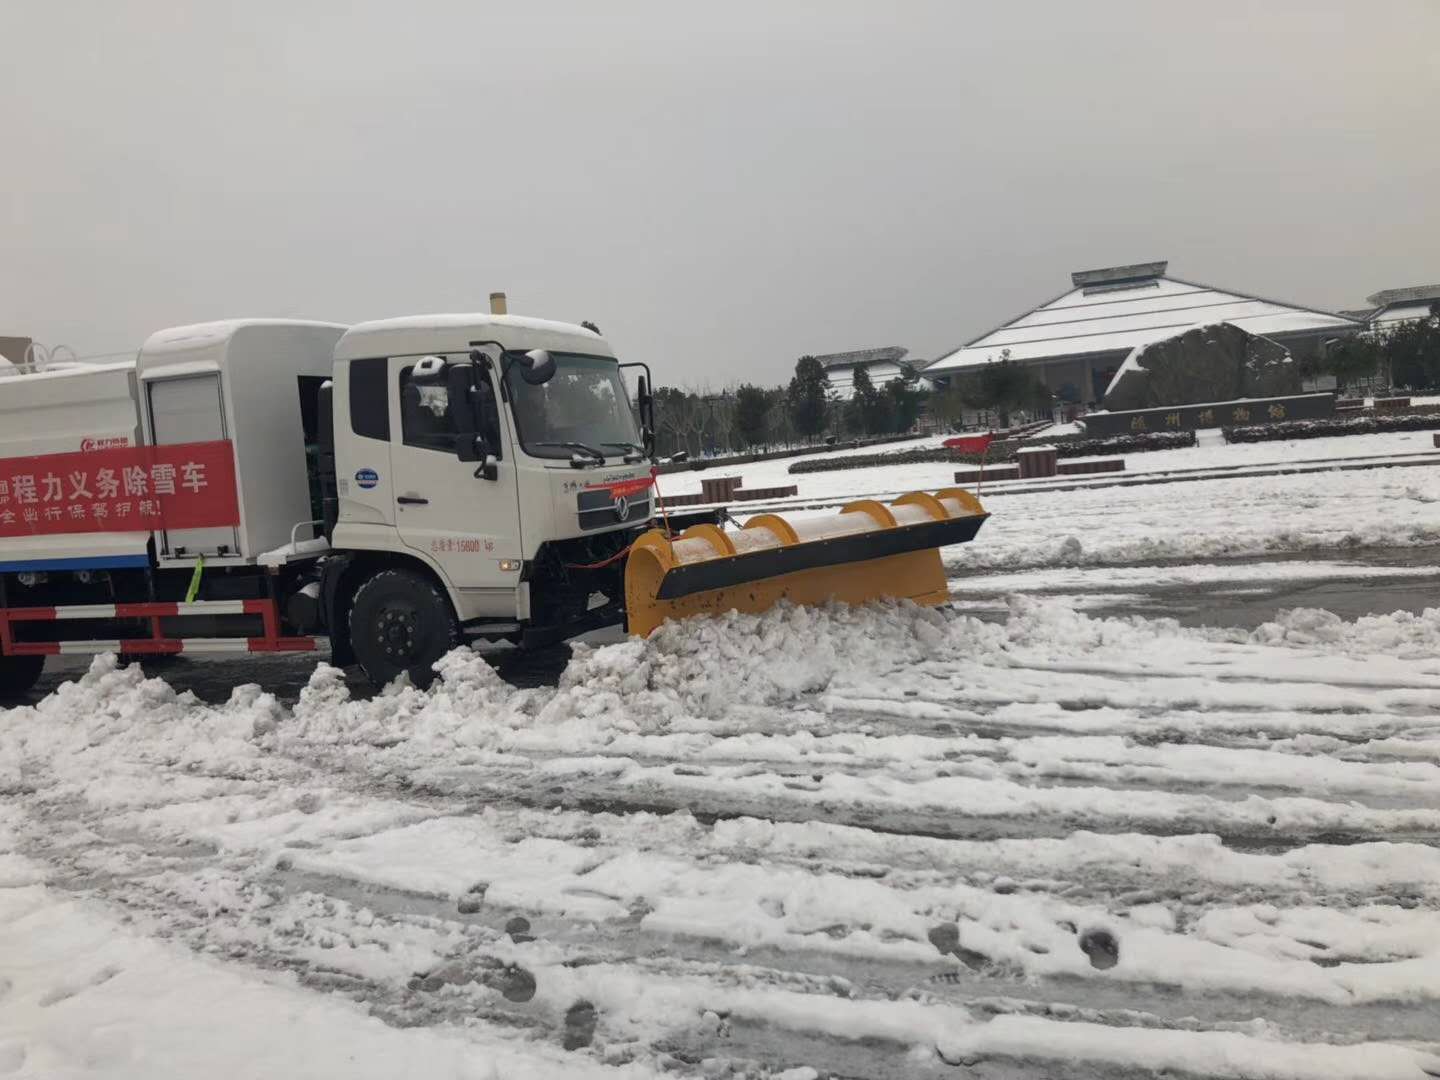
(367, 478)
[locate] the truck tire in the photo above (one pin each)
(19, 674)
(400, 621)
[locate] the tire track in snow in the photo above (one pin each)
(804, 917)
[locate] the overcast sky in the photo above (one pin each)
(722, 187)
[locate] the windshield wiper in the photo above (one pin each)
(594, 454)
(636, 451)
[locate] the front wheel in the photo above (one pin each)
(19, 674)
(400, 621)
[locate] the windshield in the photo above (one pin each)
(585, 402)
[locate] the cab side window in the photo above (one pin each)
(428, 415)
(369, 405)
(489, 417)
(425, 414)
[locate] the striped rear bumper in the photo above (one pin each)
(269, 641)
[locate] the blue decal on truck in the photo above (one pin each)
(367, 478)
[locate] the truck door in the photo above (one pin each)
(189, 409)
(466, 524)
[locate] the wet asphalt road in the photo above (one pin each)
(1248, 604)
(1218, 604)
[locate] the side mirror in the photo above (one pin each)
(429, 370)
(537, 366)
(646, 402)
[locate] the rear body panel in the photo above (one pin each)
(74, 409)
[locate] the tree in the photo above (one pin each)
(671, 410)
(752, 412)
(949, 405)
(859, 408)
(1411, 351)
(808, 397)
(1355, 359)
(780, 428)
(1005, 387)
(906, 398)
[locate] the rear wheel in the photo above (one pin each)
(19, 674)
(400, 621)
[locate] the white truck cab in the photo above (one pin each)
(500, 454)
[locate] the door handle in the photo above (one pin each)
(413, 500)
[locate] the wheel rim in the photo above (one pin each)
(397, 633)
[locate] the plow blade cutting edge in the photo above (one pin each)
(866, 551)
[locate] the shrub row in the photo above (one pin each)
(1318, 429)
(1066, 446)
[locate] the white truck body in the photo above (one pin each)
(237, 380)
(464, 476)
(234, 380)
(64, 411)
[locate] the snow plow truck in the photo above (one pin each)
(398, 487)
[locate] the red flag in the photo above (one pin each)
(970, 444)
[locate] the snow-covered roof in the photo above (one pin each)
(411, 335)
(198, 335)
(885, 354)
(1386, 297)
(1400, 313)
(1118, 315)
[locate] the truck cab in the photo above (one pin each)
(494, 462)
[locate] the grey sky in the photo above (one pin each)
(721, 187)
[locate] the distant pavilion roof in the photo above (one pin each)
(891, 354)
(1403, 305)
(1119, 308)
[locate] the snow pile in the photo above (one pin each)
(706, 667)
(469, 705)
(1403, 634)
(116, 714)
(684, 674)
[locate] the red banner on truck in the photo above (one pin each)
(119, 489)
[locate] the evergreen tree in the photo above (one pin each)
(906, 397)
(808, 397)
(1411, 352)
(752, 411)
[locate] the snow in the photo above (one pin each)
(218, 827)
(1102, 522)
(895, 479)
(1054, 430)
(814, 842)
(296, 549)
(86, 995)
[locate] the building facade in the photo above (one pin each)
(881, 365)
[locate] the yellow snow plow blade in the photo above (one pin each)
(866, 551)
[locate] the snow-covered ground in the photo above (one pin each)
(1055, 841)
(885, 842)
(1212, 453)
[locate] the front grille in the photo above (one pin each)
(597, 509)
